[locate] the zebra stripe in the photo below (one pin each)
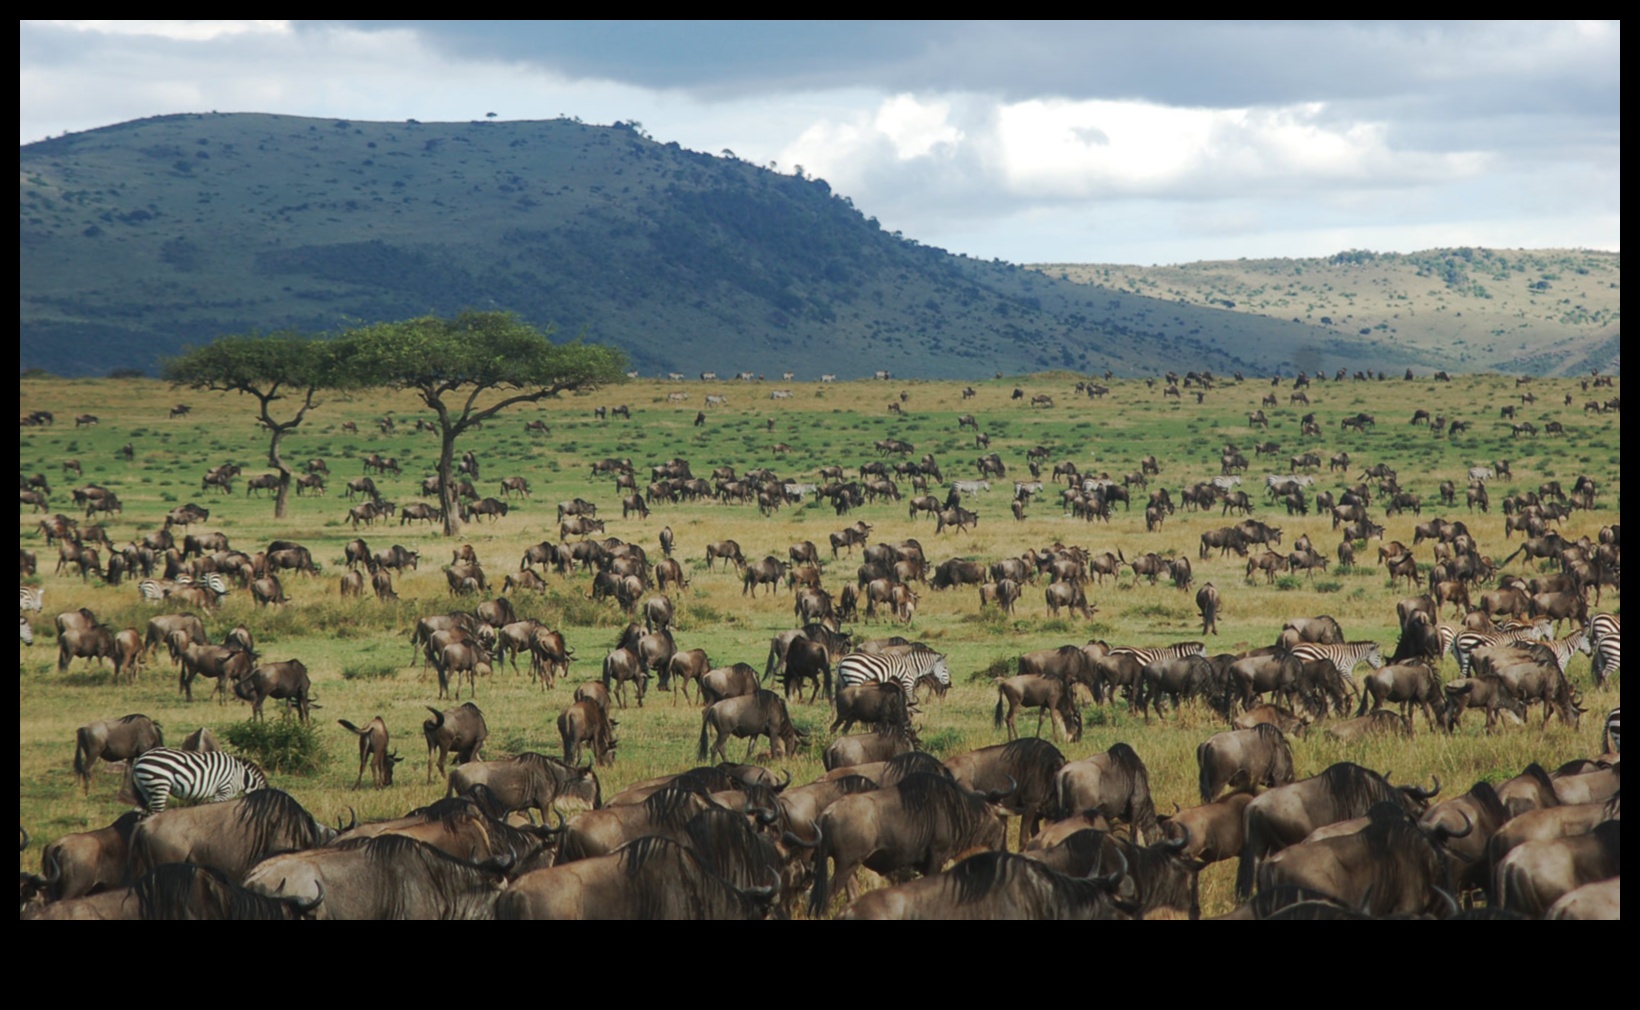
(1606, 639)
(904, 669)
(152, 591)
(1147, 656)
(1577, 641)
(34, 598)
(970, 486)
(1613, 732)
(1345, 657)
(25, 631)
(1464, 646)
(215, 583)
(1226, 483)
(213, 776)
(1481, 474)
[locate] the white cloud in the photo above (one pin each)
(188, 31)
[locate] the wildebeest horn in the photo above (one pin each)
(1421, 794)
(1468, 827)
(352, 816)
(789, 838)
(996, 795)
(23, 843)
(307, 904)
(764, 815)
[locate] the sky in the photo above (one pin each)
(1114, 142)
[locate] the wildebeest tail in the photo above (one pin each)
(996, 717)
(82, 759)
(705, 724)
(1251, 847)
(1204, 775)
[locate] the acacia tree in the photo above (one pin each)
(277, 367)
(468, 370)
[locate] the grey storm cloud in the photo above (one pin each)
(1557, 68)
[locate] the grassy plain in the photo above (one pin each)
(359, 654)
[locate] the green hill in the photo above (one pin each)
(1545, 311)
(139, 238)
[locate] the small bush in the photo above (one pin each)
(1289, 583)
(282, 745)
(368, 671)
(1328, 586)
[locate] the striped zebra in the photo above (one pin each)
(1577, 641)
(1612, 734)
(151, 591)
(34, 598)
(216, 584)
(1178, 650)
(25, 630)
(970, 486)
(213, 776)
(1226, 483)
(1481, 474)
(1606, 639)
(905, 669)
(1345, 657)
(1465, 644)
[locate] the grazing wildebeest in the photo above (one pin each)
(1212, 831)
(1408, 683)
(88, 862)
(726, 549)
(762, 713)
(1048, 695)
(1259, 755)
(113, 740)
(460, 730)
(1388, 867)
(373, 752)
(288, 681)
(1285, 815)
(527, 782)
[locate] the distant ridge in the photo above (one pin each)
(140, 238)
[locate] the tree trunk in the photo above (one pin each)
(282, 498)
(446, 490)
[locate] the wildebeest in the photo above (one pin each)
(1048, 695)
(728, 682)
(1020, 776)
(88, 862)
(1212, 832)
(586, 722)
(529, 781)
(287, 680)
(1407, 683)
(113, 740)
(1116, 782)
(725, 549)
(231, 837)
(919, 823)
(1389, 867)
(1285, 815)
(1207, 601)
(996, 886)
(762, 713)
(879, 703)
(387, 877)
(460, 730)
(373, 742)
(648, 878)
(1260, 755)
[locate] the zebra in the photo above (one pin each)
(904, 669)
(1612, 734)
(714, 400)
(1481, 474)
(828, 377)
(25, 630)
(1226, 483)
(216, 584)
(1345, 657)
(1465, 644)
(212, 776)
(1606, 640)
(970, 486)
(34, 598)
(1577, 641)
(1145, 657)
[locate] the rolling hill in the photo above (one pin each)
(1544, 311)
(138, 239)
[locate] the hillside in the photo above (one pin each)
(1545, 311)
(139, 238)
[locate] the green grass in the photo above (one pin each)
(358, 652)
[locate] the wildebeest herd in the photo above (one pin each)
(1018, 828)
